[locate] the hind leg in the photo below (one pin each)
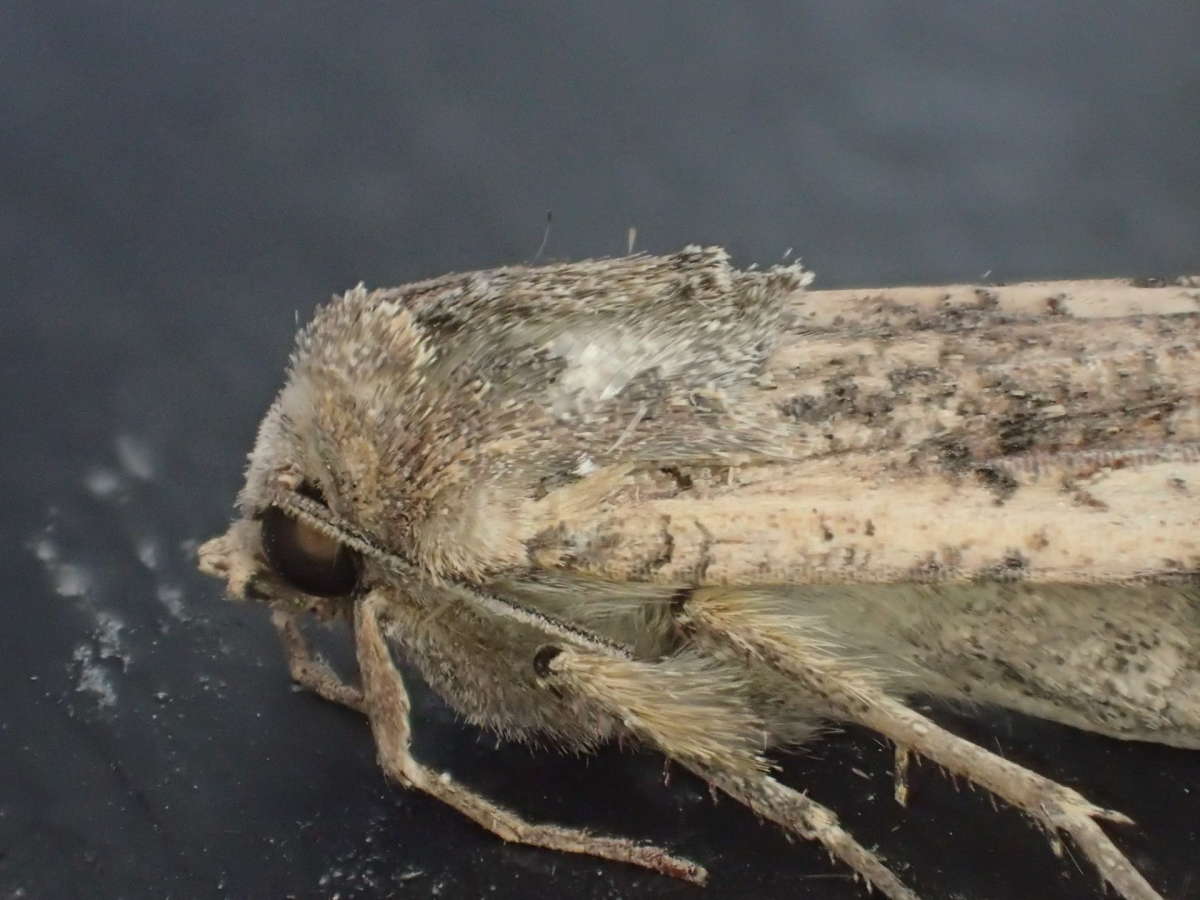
(757, 629)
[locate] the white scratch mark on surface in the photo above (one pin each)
(102, 483)
(148, 552)
(92, 679)
(135, 457)
(171, 596)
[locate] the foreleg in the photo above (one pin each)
(307, 670)
(387, 706)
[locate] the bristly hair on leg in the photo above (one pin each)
(706, 731)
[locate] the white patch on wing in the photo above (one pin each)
(601, 364)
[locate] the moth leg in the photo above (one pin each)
(387, 707)
(750, 626)
(307, 670)
(808, 819)
(688, 708)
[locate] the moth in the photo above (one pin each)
(662, 499)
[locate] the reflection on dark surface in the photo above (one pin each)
(180, 180)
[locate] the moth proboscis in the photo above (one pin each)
(703, 508)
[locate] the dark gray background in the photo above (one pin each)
(180, 180)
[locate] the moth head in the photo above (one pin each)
(290, 545)
(382, 456)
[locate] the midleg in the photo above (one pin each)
(688, 715)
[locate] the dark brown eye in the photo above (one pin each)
(307, 559)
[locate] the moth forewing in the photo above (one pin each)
(563, 488)
(983, 493)
(987, 485)
(858, 517)
(935, 432)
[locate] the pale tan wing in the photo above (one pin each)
(993, 490)
(1046, 432)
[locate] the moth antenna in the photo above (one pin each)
(515, 612)
(319, 518)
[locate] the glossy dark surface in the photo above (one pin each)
(181, 181)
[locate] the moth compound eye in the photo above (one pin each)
(307, 559)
